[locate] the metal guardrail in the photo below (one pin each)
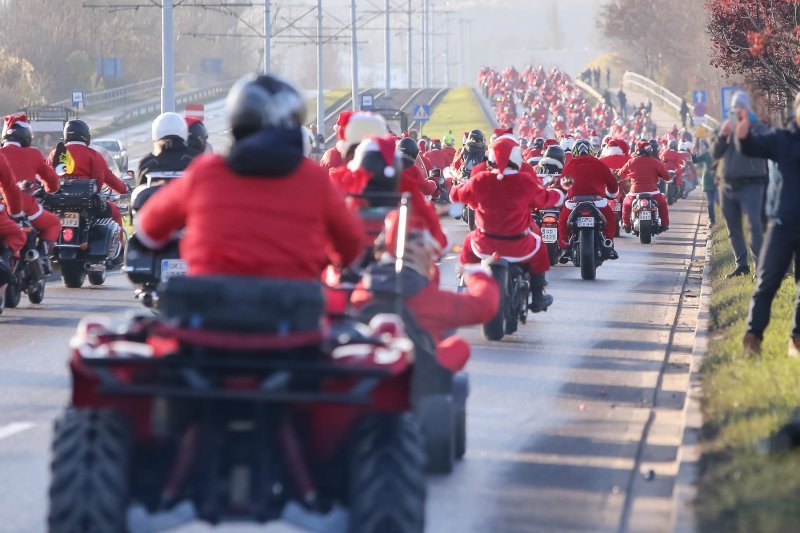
(585, 87)
(123, 94)
(184, 97)
(658, 93)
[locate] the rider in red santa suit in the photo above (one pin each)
(332, 158)
(256, 187)
(503, 199)
(615, 154)
(644, 171)
(28, 164)
(10, 214)
(673, 160)
(589, 177)
(76, 160)
(437, 311)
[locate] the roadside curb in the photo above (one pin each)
(689, 453)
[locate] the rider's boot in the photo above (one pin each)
(539, 300)
(608, 250)
(45, 251)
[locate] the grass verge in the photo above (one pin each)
(742, 487)
(458, 111)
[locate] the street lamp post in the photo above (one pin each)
(267, 32)
(388, 51)
(320, 82)
(167, 58)
(410, 58)
(354, 54)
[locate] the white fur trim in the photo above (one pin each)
(611, 150)
(36, 214)
(571, 205)
(12, 143)
(638, 193)
(561, 198)
(147, 240)
(508, 258)
(551, 161)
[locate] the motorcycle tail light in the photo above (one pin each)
(68, 234)
(644, 202)
(549, 220)
(586, 213)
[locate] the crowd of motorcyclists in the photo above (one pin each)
(237, 214)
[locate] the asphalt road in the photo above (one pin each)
(556, 414)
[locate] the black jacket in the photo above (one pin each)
(783, 147)
(170, 155)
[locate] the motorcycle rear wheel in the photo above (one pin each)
(36, 294)
(553, 252)
(587, 253)
(97, 277)
(13, 295)
(494, 330)
(73, 275)
(645, 231)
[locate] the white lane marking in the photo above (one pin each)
(14, 428)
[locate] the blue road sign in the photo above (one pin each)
(699, 96)
(367, 102)
(726, 97)
(422, 112)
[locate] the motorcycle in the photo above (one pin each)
(547, 220)
(90, 241)
(147, 269)
(515, 294)
(587, 243)
(672, 191)
(645, 218)
(29, 273)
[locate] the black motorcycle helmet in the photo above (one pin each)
(436, 144)
(257, 102)
(409, 149)
(538, 143)
(476, 137)
(654, 148)
(385, 175)
(554, 151)
(198, 136)
(77, 131)
(17, 130)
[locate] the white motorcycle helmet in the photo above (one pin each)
(170, 124)
(685, 146)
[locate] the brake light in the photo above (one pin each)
(586, 213)
(550, 220)
(68, 234)
(644, 203)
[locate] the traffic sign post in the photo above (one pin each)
(699, 96)
(422, 113)
(726, 98)
(367, 102)
(195, 110)
(78, 101)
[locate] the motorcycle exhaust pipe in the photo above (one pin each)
(608, 243)
(89, 267)
(34, 264)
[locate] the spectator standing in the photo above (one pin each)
(782, 242)
(608, 78)
(684, 112)
(623, 103)
(742, 181)
(704, 158)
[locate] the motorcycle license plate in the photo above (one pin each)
(617, 207)
(644, 215)
(172, 268)
(549, 235)
(585, 222)
(71, 220)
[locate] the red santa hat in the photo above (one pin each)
(385, 146)
(9, 121)
(192, 120)
(613, 147)
(355, 127)
(502, 151)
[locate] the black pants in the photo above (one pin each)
(780, 247)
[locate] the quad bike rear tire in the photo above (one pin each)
(89, 483)
(435, 413)
(387, 475)
(73, 275)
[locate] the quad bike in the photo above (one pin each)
(239, 403)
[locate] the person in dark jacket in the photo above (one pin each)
(704, 159)
(782, 244)
(742, 181)
(171, 153)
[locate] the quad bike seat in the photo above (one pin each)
(244, 304)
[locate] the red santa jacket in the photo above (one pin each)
(253, 225)
(331, 159)
(503, 209)
(673, 161)
(644, 172)
(436, 159)
(82, 162)
(12, 197)
(449, 153)
(590, 178)
(28, 163)
(615, 162)
(414, 175)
